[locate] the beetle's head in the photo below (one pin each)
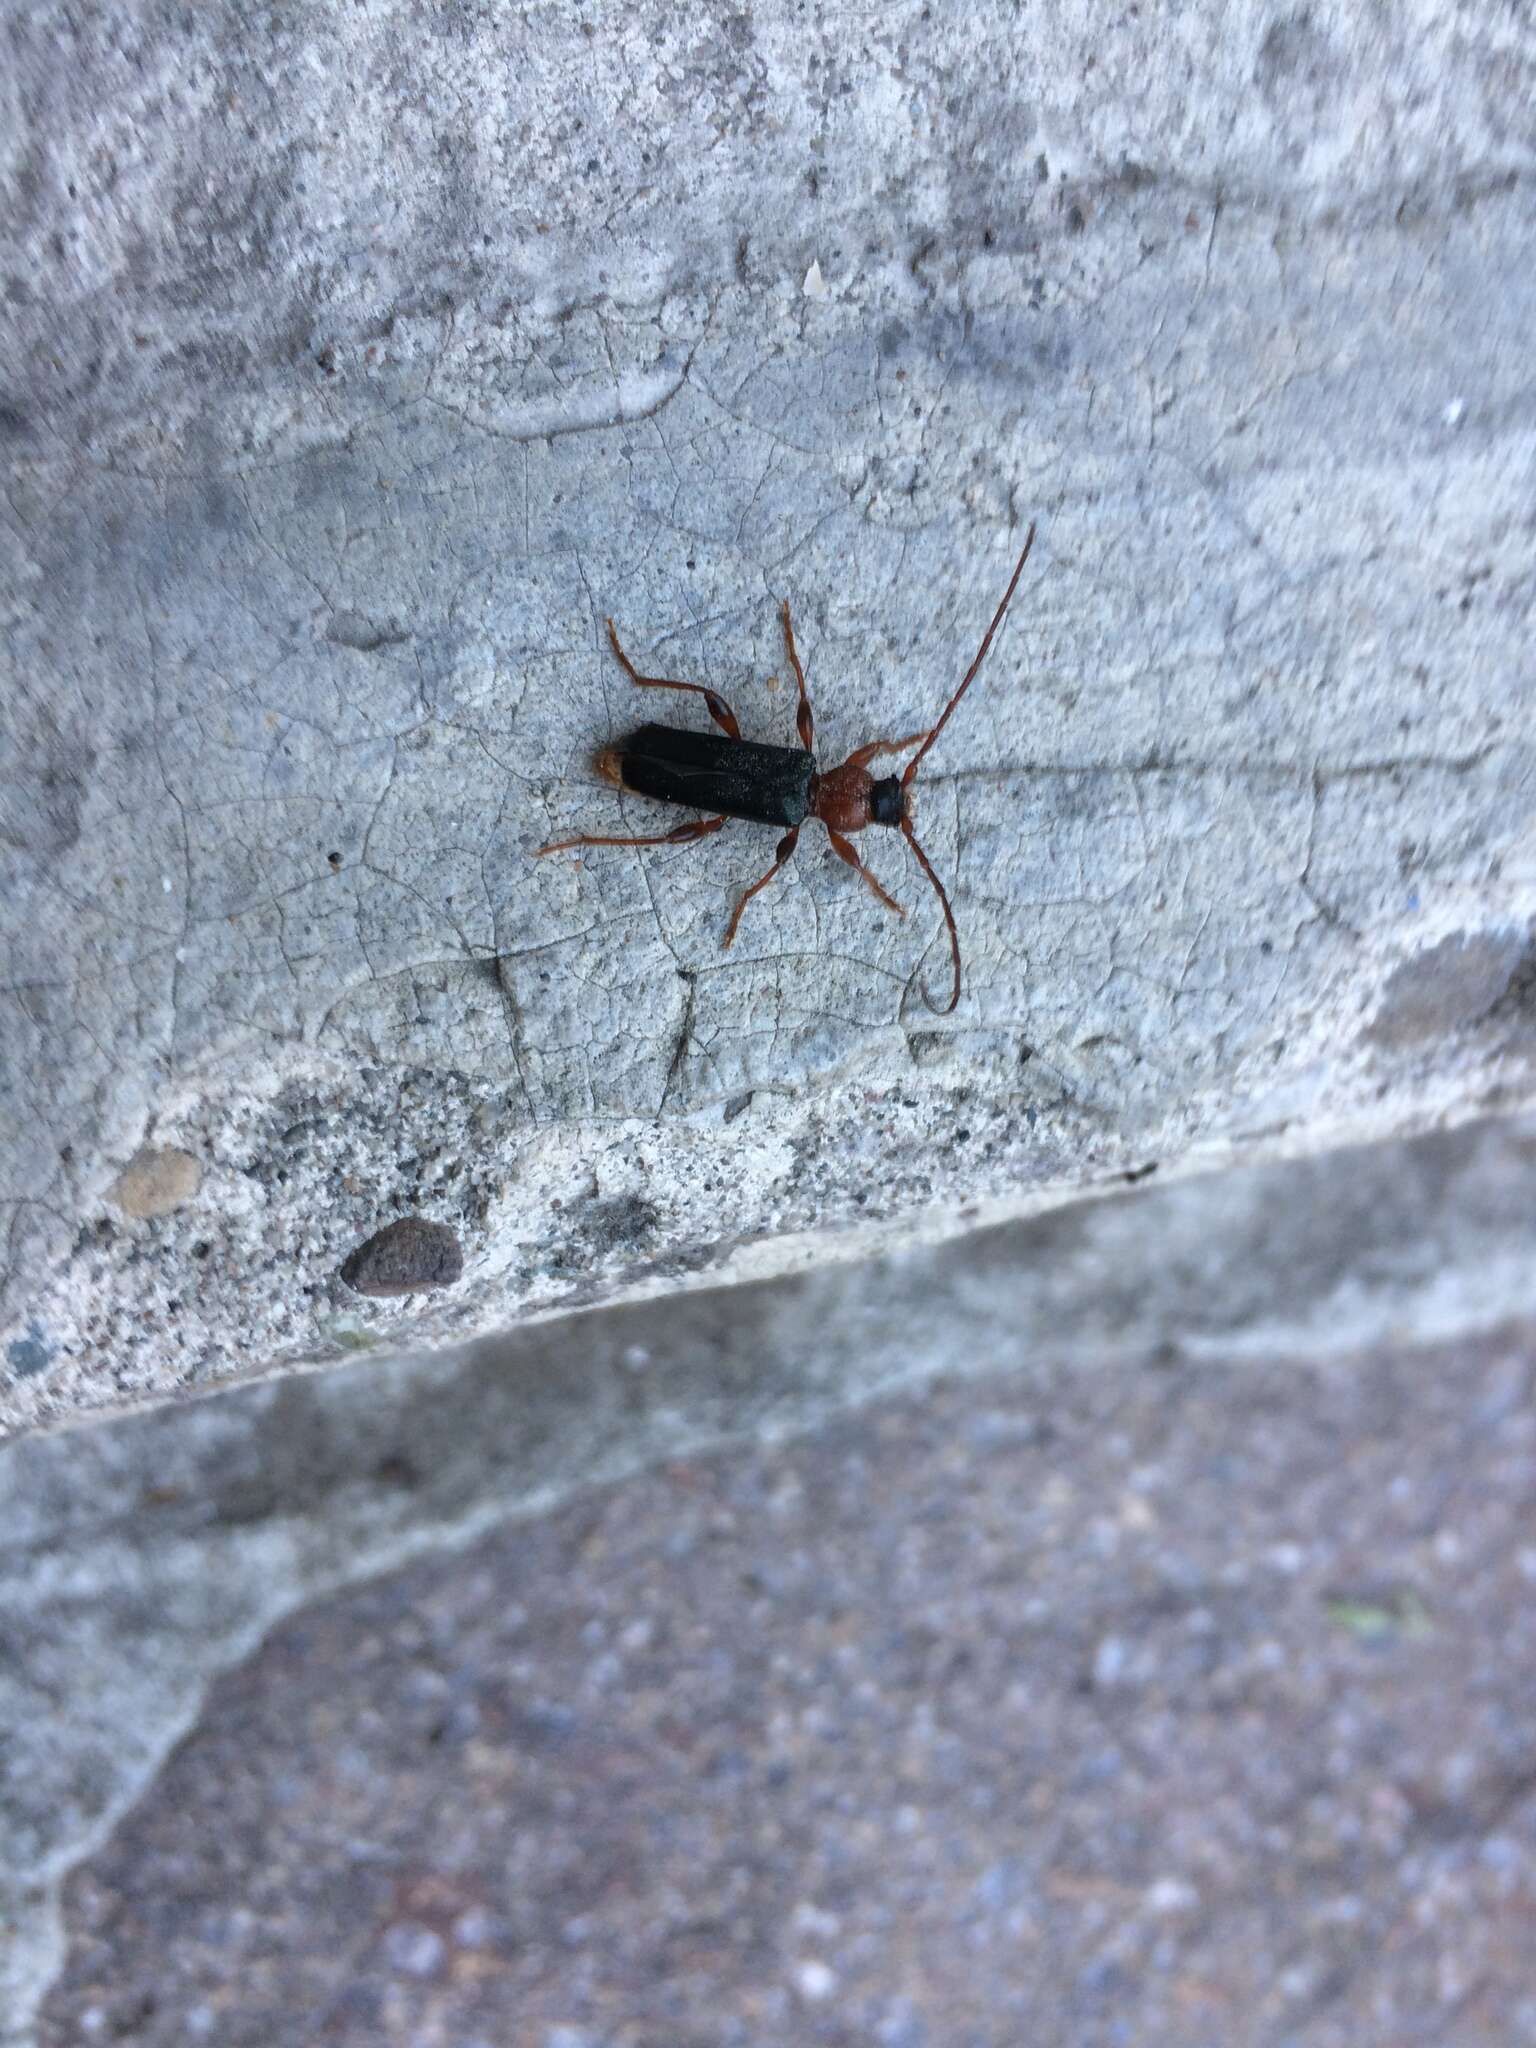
(888, 802)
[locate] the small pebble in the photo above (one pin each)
(1109, 1662)
(814, 1981)
(408, 1256)
(413, 1950)
(1167, 1895)
(155, 1181)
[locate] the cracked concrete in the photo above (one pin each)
(344, 399)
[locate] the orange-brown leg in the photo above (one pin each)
(716, 705)
(805, 724)
(862, 756)
(849, 852)
(786, 847)
(680, 835)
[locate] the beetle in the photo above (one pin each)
(735, 778)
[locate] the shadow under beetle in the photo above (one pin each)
(737, 778)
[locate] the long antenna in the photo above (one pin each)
(949, 919)
(970, 674)
(911, 770)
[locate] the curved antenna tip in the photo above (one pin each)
(949, 920)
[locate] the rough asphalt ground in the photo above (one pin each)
(1181, 1702)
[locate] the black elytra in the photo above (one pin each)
(709, 772)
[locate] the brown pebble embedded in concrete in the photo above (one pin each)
(408, 1256)
(155, 1181)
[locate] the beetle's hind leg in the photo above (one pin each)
(714, 703)
(680, 835)
(786, 847)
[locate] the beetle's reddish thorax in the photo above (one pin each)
(841, 798)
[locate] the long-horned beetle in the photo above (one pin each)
(730, 777)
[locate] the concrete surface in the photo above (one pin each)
(1181, 1634)
(358, 362)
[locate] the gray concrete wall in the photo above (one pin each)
(358, 363)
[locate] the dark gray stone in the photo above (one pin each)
(408, 1256)
(1448, 987)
